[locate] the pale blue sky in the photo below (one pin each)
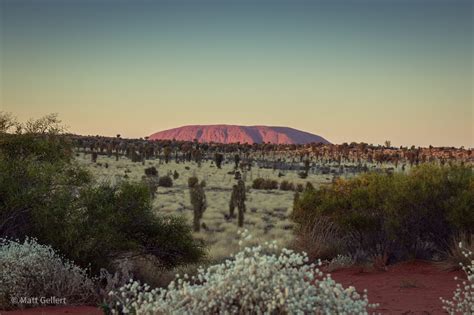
(346, 70)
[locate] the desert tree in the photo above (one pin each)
(237, 199)
(7, 121)
(236, 161)
(198, 201)
(218, 158)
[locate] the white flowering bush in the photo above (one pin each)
(29, 269)
(258, 280)
(462, 301)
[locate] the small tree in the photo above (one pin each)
(167, 154)
(94, 157)
(237, 161)
(198, 201)
(218, 159)
(237, 199)
(151, 180)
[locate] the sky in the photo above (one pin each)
(347, 70)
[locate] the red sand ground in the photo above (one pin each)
(407, 288)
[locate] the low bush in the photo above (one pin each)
(262, 183)
(455, 257)
(165, 181)
(151, 171)
(299, 188)
(320, 240)
(192, 181)
(286, 185)
(258, 280)
(112, 221)
(175, 175)
(399, 216)
(33, 270)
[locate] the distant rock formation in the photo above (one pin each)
(242, 134)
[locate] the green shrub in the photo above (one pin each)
(45, 195)
(119, 219)
(151, 171)
(399, 215)
(175, 175)
(165, 181)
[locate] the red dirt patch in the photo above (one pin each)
(56, 310)
(406, 288)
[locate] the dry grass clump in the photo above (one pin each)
(455, 254)
(286, 185)
(320, 240)
(267, 184)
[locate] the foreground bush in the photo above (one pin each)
(397, 216)
(29, 269)
(463, 299)
(256, 281)
(45, 195)
(115, 221)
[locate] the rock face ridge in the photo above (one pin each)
(235, 133)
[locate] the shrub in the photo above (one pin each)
(258, 280)
(30, 187)
(175, 175)
(285, 185)
(299, 188)
(43, 194)
(192, 181)
(396, 215)
(33, 270)
(320, 240)
(454, 256)
(151, 171)
(198, 201)
(113, 221)
(262, 183)
(165, 181)
(462, 301)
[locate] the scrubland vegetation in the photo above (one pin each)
(391, 217)
(99, 211)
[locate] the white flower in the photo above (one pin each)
(257, 280)
(463, 297)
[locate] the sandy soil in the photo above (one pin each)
(406, 288)
(268, 212)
